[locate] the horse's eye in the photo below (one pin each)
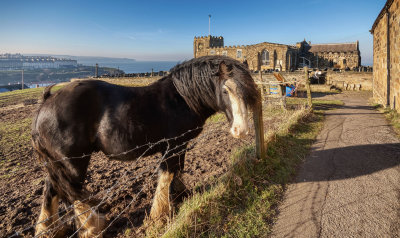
(225, 91)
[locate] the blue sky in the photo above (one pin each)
(164, 30)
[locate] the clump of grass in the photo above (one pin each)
(391, 115)
(242, 202)
(218, 117)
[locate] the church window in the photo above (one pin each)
(265, 57)
(238, 53)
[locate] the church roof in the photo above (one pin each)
(339, 47)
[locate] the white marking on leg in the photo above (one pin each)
(48, 219)
(161, 203)
(91, 223)
(239, 111)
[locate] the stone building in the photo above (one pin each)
(262, 56)
(386, 75)
(336, 55)
(274, 56)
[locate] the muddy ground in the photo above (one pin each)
(126, 188)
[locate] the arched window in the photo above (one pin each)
(265, 57)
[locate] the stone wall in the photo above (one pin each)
(298, 75)
(379, 32)
(349, 80)
(346, 80)
(126, 81)
(394, 34)
(341, 59)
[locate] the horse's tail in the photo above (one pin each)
(47, 92)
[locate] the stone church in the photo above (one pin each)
(279, 57)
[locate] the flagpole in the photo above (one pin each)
(209, 24)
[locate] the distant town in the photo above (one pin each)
(18, 62)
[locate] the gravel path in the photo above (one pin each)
(349, 186)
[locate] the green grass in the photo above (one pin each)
(242, 202)
(14, 144)
(391, 115)
(19, 96)
(294, 101)
(15, 134)
(218, 117)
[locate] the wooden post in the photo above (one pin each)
(280, 90)
(283, 102)
(22, 78)
(307, 78)
(262, 86)
(259, 129)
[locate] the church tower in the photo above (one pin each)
(202, 44)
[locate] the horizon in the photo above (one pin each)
(160, 31)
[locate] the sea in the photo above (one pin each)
(127, 65)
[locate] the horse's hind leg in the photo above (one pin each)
(48, 222)
(89, 222)
(178, 190)
(66, 182)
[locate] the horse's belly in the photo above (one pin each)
(129, 154)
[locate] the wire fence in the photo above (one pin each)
(107, 194)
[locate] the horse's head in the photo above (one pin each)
(236, 94)
(217, 83)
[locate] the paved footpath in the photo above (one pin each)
(349, 186)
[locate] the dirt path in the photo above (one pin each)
(350, 184)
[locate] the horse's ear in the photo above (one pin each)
(223, 70)
(246, 64)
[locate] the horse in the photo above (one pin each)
(91, 115)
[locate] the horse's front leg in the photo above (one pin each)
(170, 187)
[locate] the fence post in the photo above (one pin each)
(259, 129)
(307, 78)
(262, 86)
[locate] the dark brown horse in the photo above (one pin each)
(88, 116)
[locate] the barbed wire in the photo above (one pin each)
(97, 206)
(108, 195)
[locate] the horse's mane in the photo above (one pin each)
(198, 79)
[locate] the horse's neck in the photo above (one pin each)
(167, 92)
